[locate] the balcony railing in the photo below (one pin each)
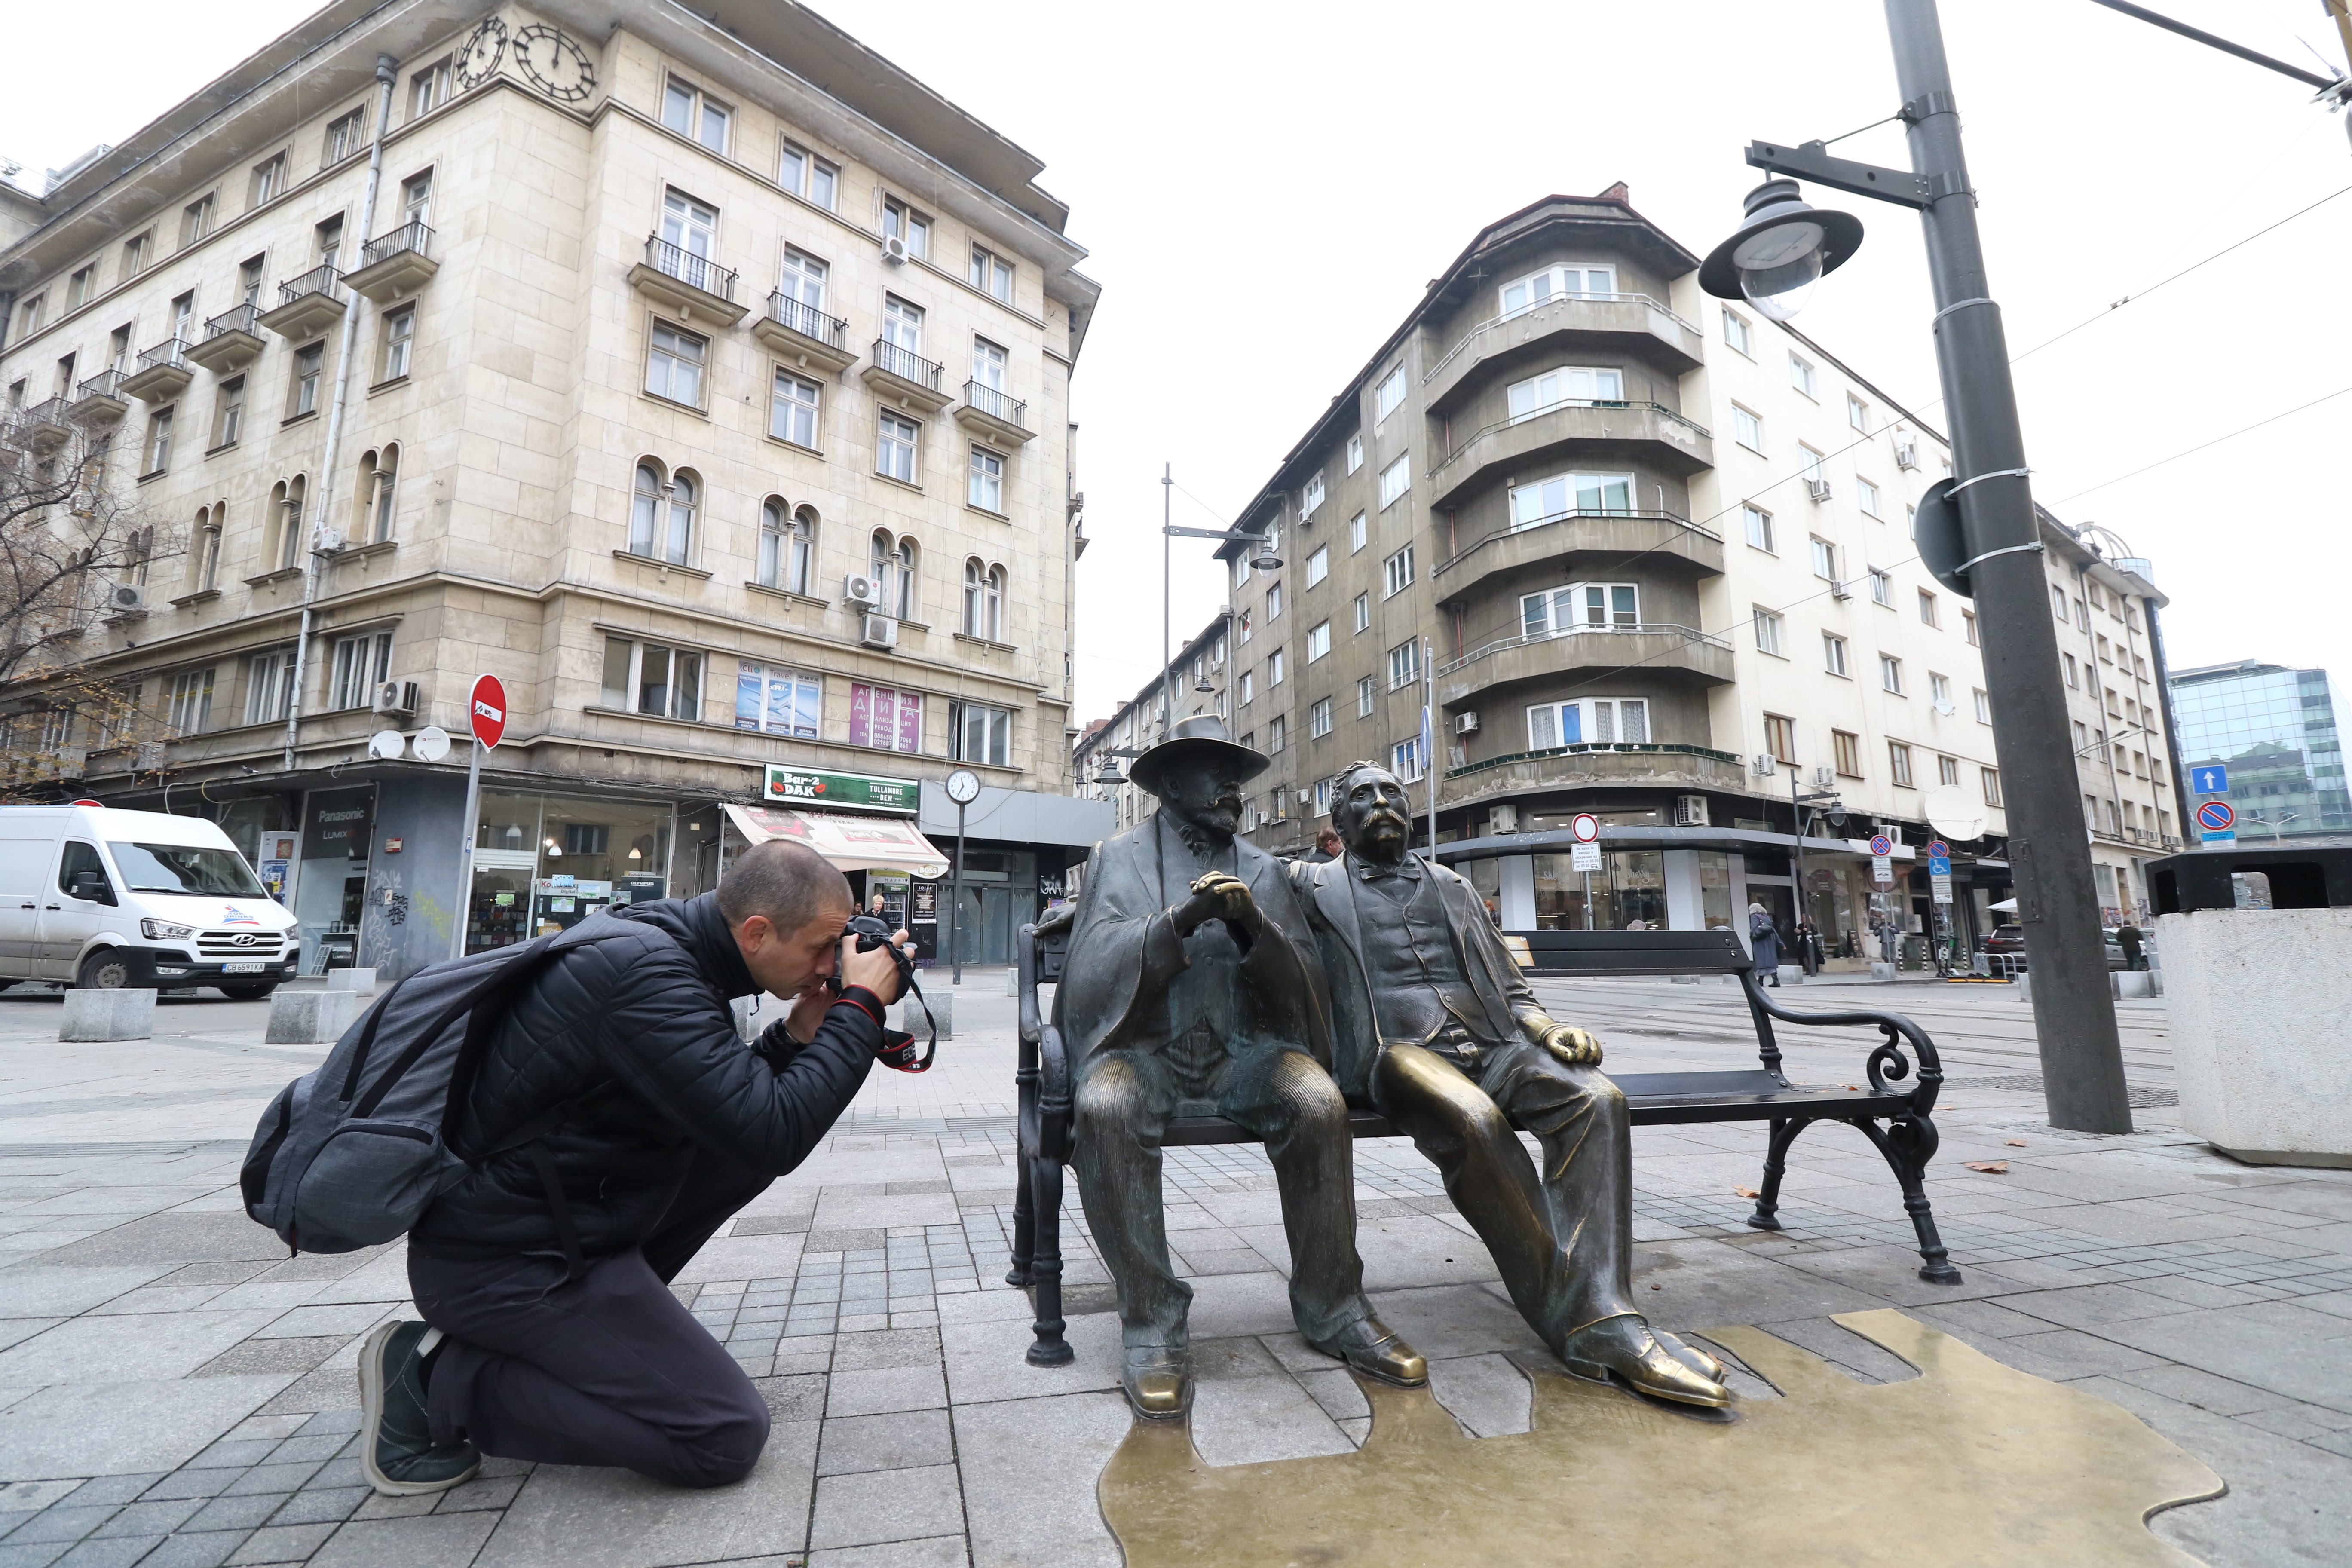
(996, 403)
(906, 363)
(694, 271)
(171, 354)
(1671, 520)
(1503, 645)
(413, 236)
(808, 321)
(246, 318)
(1486, 430)
(319, 280)
(1474, 333)
(105, 384)
(1585, 748)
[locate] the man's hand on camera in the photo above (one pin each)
(808, 1011)
(875, 969)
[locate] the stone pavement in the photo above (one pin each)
(176, 1393)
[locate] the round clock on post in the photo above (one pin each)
(478, 60)
(963, 788)
(554, 64)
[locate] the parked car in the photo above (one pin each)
(2009, 941)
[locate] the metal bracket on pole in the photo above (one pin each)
(2004, 550)
(1813, 162)
(1996, 474)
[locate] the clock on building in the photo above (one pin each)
(478, 60)
(555, 65)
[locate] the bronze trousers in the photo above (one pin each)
(1123, 1102)
(1562, 1238)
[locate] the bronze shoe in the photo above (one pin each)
(1690, 1355)
(1623, 1348)
(1159, 1382)
(1372, 1347)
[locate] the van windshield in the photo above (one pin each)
(178, 869)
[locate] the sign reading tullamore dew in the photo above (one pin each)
(840, 792)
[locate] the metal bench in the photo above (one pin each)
(1908, 1138)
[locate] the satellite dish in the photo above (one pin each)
(432, 743)
(1953, 812)
(386, 744)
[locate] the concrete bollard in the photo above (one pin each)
(93, 1015)
(359, 982)
(908, 1014)
(1012, 980)
(311, 1017)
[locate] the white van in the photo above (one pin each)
(95, 896)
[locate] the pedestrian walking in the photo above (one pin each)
(1764, 940)
(1809, 947)
(2129, 936)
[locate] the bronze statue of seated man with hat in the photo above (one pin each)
(1191, 987)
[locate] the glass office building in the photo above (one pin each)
(2274, 728)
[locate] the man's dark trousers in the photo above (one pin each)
(607, 1369)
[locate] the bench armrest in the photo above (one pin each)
(1053, 1138)
(1888, 1059)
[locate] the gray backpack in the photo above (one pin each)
(350, 1155)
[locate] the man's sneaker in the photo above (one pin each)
(396, 1446)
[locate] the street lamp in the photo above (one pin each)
(1780, 251)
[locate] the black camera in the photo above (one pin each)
(897, 1048)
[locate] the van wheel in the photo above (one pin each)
(248, 991)
(103, 972)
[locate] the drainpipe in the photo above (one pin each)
(387, 70)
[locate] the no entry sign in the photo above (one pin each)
(486, 711)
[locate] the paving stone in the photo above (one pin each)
(429, 1540)
(113, 1552)
(207, 1549)
(317, 1506)
(939, 1551)
(885, 1348)
(887, 1505)
(797, 1398)
(878, 1390)
(233, 1513)
(906, 1439)
(66, 1524)
(492, 1492)
(160, 1517)
(123, 1428)
(263, 1355)
(289, 1543)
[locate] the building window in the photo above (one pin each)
(991, 274)
(1396, 572)
(1395, 480)
(1834, 653)
(1276, 669)
(895, 449)
(1404, 663)
(1318, 718)
(1277, 736)
(429, 88)
(285, 543)
(1567, 386)
(1364, 689)
(1565, 282)
(1318, 640)
(203, 560)
(1866, 497)
(674, 365)
(1991, 778)
(307, 363)
(399, 335)
(661, 518)
(1857, 413)
(1939, 691)
(1318, 565)
(787, 548)
(808, 176)
(1356, 533)
(1582, 606)
(1890, 673)
(2074, 678)
(983, 600)
(1780, 739)
(689, 230)
(77, 286)
(1847, 747)
(137, 251)
(1363, 611)
(1824, 559)
(191, 697)
(158, 442)
(268, 180)
(1759, 528)
(1898, 763)
(268, 686)
(774, 701)
(1969, 626)
(1801, 376)
(1769, 627)
(884, 719)
(1355, 453)
(361, 663)
(893, 569)
(417, 199)
(1735, 333)
(652, 678)
(903, 223)
(1948, 772)
(379, 481)
(1389, 394)
(1249, 687)
(1747, 429)
(982, 733)
(1984, 706)
(345, 136)
(1928, 610)
(792, 410)
(1570, 495)
(1882, 587)
(196, 218)
(691, 112)
(1590, 720)
(1406, 762)
(987, 488)
(1310, 496)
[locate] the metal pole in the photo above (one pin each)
(466, 840)
(1429, 734)
(955, 903)
(1167, 595)
(2050, 857)
(1796, 825)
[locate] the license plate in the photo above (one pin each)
(244, 966)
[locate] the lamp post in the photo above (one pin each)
(1780, 251)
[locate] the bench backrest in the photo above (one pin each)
(1635, 952)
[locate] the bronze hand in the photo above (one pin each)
(1574, 1048)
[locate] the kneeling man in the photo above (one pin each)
(1434, 1024)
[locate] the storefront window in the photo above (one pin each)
(1715, 890)
(1486, 876)
(1628, 893)
(337, 826)
(542, 863)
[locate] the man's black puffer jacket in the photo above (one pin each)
(636, 1028)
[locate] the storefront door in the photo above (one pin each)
(338, 828)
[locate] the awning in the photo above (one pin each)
(851, 842)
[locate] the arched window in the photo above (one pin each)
(894, 572)
(285, 539)
(788, 547)
(678, 544)
(382, 469)
(800, 562)
(139, 551)
(983, 600)
(203, 548)
(645, 509)
(772, 539)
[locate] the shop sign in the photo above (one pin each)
(338, 824)
(841, 791)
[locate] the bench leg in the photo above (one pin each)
(1776, 1161)
(1045, 1264)
(1908, 1146)
(1024, 1220)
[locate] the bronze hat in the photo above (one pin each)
(1203, 733)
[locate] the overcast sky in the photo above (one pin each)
(1267, 188)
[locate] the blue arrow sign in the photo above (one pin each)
(2214, 780)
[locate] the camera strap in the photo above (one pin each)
(898, 1048)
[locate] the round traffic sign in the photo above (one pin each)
(1880, 845)
(2215, 817)
(1939, 850)
(1584, 827)
(486, 711)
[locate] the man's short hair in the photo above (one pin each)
(789, 883)
(1344, 780)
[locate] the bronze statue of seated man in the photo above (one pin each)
(1435, 1025)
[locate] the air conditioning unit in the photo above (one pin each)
(1761, 765)
(1841, 590)
(1825, 778)
(125, 599)
(1465, 723)
(395, 699)
(1502, 819)
(328, 542)
(879, 631)
(1906, 456)
(858, 590)
(893, 250)
(1690, 811)
(1817, 489)
(1307, 797)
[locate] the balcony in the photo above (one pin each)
(307, 305)
(994, 416)
(41, 427)
(231, 338)
(1650, 432)
(1650, 648)
(1658, 767)
(99, 400)
(394, 266)
(804, 335)
(1659, 538)
(163, 374)
(1633, 323)
(902, 376)
(692, 286)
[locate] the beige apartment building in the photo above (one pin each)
(1640, 556)
(703, 377)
